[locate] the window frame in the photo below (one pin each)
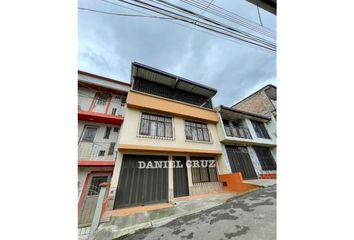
(107, 133)
(151, 124)
(111, 149)
(85, 129)
(101, 151)
(99, 101)
(196, 171)
(194, 126)
(260, 129)
(267, 160)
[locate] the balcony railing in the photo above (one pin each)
(239, 132)
(96, 151)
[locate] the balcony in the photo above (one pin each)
(239, 132)
(96, 153)
(100, 117)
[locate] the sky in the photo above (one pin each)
(107, 45)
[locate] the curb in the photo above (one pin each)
(163, 221)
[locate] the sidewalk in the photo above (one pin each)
(122, 224)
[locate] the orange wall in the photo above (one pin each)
(154, 103)
(234, 183)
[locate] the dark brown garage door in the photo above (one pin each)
(240, 161)
(140, 186)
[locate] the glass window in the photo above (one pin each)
(196, 131)
(155, 125)
(265, 158)
(260, 129)
(102, 99)
(204, 172)
(111, 148)
(108, 132)
(89, 135)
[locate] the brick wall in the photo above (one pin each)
(258, 103)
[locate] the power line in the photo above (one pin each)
(232, 17)
(209, 32)
(205, 10)
(259, 15)
(208, 23)
(121, 14)
(229, 13)
(223, 26)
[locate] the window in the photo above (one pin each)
(155, 125)
(114, 111)
(116, 129)
(102, 99)
(265, 158)
(260, 129)
(89, 135)
(203, 173)
(196, 131)
(124, 99)
(101, 153)
(95, 183)
(107, 133)
(111, 148)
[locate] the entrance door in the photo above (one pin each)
(141, 186)
(240, 161)
(101, 103)
(180, 177)
(88, 206)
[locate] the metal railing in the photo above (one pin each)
(96, 150)
(239, 132)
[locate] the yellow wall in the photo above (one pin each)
(130, 131)
(159, 104)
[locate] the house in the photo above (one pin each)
(101, 108)
(169, 120)
(264, 102)
(248, 147)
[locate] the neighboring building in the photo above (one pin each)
(247, 145)
(264, 102)
(168, 118)
(101, 108)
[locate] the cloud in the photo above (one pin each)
(108, 45)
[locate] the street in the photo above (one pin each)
(250, 217)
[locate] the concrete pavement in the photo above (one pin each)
(122, 225)
(249, 217)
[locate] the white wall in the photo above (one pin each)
(86, 96)
(88, 150)
(104, 83)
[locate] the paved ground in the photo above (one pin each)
(250, 217)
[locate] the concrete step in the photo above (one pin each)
(261, 182)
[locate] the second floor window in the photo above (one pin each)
(102, 99)
(197, 131)
(89, 134)
(235, 129)
(260, 129)
(108, 132)
(155, 125)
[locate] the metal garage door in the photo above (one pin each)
(240, 161)
(140, 186)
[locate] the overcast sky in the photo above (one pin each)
(108, 44)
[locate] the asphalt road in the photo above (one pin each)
(250, 217)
